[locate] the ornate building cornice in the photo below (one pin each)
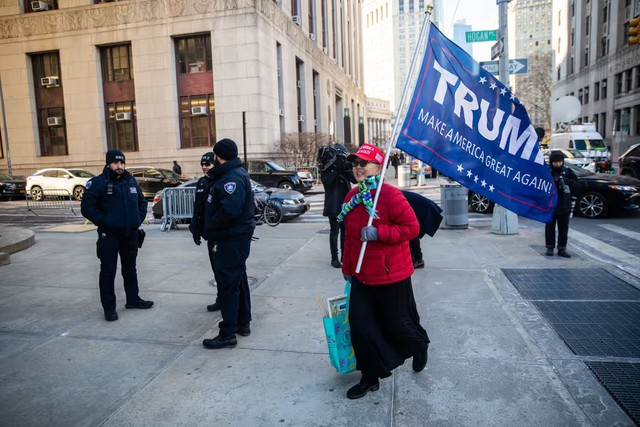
(109, 15)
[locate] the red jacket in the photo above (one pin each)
(387, 260)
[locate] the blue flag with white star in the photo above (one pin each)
(469, 126)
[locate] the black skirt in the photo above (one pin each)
(385, 327)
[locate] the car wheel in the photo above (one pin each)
(287, 185)
(628, 172)
(480, 203)
(593, 205)
(36, 193)
(78, 192)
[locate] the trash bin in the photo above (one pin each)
(404, 176)
(455, 206)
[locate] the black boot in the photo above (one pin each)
(549, 252)
(335, 263)
(220, 342)
(213, 307)
(362, 388)
(420, 360)
(563, 253)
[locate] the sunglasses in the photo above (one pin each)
(205, 164)
(361, 163)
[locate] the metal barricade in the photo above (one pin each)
(177, 204)
(50, 202)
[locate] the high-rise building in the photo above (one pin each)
(532, 41)
(163, 80)
(594, 62)
(460, 29)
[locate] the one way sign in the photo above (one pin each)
(516, 66)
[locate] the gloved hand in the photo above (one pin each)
(369, 234)
(347, 278)
(196, 239)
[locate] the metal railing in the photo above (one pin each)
(177, 204)
(50, 202)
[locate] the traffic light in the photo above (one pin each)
(634, 30)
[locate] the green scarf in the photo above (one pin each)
(362, 196)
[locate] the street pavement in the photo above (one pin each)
(493, 361)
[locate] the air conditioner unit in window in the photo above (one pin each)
(38, 6)
(123, 117)
(325, 50)
(301, 118)
(299, 83)
(198, 111)
(281, 112)
(49, 81)
(296, 19)
(312, 36)
(54, 121)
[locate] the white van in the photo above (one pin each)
(583, 138)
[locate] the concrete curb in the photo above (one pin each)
(14, 240)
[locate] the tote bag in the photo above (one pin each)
(338, 332)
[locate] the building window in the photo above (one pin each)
(116, 62)
(586, 95)
(199, 129)
(627, 80)
(596, 91)
(618, 83)
(39, 6)
(194, 54)
(121, 126)
(49, 104)
(604, 89)
(580, 96)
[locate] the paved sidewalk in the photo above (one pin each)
(494, 361)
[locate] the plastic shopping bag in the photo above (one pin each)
(338, 332)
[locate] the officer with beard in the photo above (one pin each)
(229, 225)
(114, 202)
(563, 177)
(203, 186)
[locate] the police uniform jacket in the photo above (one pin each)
(115, 205)
(203, 186)
(563, 178)
(230, 206)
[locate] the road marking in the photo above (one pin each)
(621, 230)
(611, 251)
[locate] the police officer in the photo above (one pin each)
(229, 224)
(429, 216)
(563, 177)
(196, 226)
(113, 201)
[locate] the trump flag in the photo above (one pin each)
(469, 126)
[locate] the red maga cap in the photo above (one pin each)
(369, 153)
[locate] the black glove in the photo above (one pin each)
(196, 239)
(369, 234)
(348, 278)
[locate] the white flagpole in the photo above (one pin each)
(417, 57)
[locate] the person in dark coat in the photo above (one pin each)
(395, 162)
(563, 177)
(113, 201)
(229, 223)
(336, 176)
(196, 226)
(429, 217)
(177, 168)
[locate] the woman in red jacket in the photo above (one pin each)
(385, 325)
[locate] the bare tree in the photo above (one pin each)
(301, 149)
(534, 89)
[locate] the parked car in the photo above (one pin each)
(629, 162)
(293, 203)
(596, 195)
(151, 180)
(271, 174)
(574, 157)
(12, 186)
(72, 180)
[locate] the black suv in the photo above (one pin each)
(271, 174)
(151, 180)
(629, 162)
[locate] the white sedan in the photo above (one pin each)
(71, 180)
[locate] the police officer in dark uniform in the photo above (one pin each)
(203, 186)
(113, 201)
(229, 224)
(429, 216)
(563, 177)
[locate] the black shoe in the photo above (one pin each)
(213, 307)
(220, 342)
(418, 263)
(362, 388)
(140, 303)
(244, 330)
(563, 253)
(549, 252)
(420, 360)
(110, 315)
(336, 264)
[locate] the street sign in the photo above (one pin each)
(516, 66)
(481, 36)
(497, 49)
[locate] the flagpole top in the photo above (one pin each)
(429, 9)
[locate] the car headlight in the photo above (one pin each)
(288, 202)
(623, 187)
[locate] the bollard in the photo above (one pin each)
(455, 205)
(504, 221)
